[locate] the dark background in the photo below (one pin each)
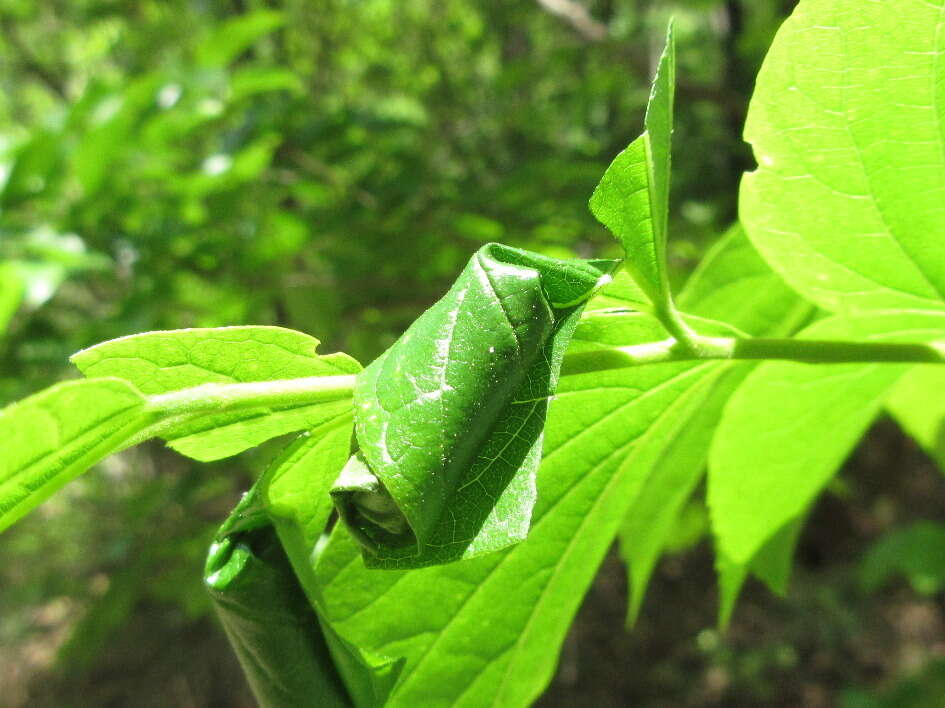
(329, 166)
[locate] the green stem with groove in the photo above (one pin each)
(701, 348)
(169, 410)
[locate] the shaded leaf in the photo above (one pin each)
(268, 620)
(916, 551)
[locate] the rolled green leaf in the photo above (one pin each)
(274, 631)
(449, 420)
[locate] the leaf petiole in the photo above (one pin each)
(812, 351)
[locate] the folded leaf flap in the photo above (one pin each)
(272, 627)
(449, 419)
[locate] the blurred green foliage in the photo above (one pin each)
(327, 166)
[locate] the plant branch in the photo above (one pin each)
(222, 398)
(812, 351)
(166, 411)
(578, 17)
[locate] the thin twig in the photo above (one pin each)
(578, 17)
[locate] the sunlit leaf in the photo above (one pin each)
(632, 199)
(846, 203)
(917, 404)
(790, 425)
(162, 362)
(53, 436)
(236, 35)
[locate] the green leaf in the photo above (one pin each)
(771, 564)
(674, 461)
(106, 138)
(677, 447)
(268, 620)
(236, 35)
(295, 488)
(163, 362)
(732, 283)
(53, 436)
(632, 199)
(789, 426)
(293, 492)
(449, 420)
(846, 126)
(487, 631)
(916, 551)
(253, 80)
(920, 414)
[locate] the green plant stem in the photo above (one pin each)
(168, 410)
(811, 351)
(220, 398)
(683, 335)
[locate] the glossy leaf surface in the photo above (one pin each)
(449, 420)
(267, 618)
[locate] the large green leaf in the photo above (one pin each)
(449, 420)
(163, 362)
(789, 426)
(57, 434)
(632, 199)
(847, 128)
(732, 283)
(53, 436)
(488, 630)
